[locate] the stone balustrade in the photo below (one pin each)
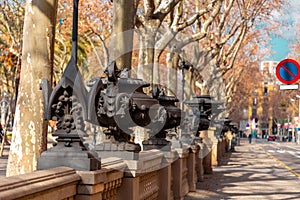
(154, 175)
(56, 183)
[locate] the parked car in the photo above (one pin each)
(271, 138)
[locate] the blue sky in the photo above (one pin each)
(280, 46)
(287, 34)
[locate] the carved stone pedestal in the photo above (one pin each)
(101, 184)
(214, 150)
(180, 184)
(207, 167)
(142, 179)
(199, 162)
(166, 175)
(192, 171)
(174, 140)
(220, 150)
(73, 157)
(207, 152)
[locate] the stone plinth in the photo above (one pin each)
(101, 184)
(73, 157)
(221, 149)
(211, 142)
(207, 151)
(180, 181)
(174, 140)
(224, 145)
(165, 174)
(192, 172)
(207, 167)
(142, 179)
(214, 150)
(199, 162)
(147, 161)
(165, 183)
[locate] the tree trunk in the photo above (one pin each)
(122, 36)
(156, 71)
(37, 57)
(172, 62)
(188, 92)
(146, 58)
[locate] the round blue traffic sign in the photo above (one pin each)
(288, 71)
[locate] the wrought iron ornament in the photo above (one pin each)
(119, 104)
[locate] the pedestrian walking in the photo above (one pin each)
(229, 137)
(233, 141)
(1, 133)
(250, 138)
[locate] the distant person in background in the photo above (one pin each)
(1, 133)
(250, 138)
(233, 141)
(229, 137)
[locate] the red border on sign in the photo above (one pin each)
(282, 63)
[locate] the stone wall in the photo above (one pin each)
(156, 175)
(56, 183)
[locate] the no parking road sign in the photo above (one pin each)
(288, 71)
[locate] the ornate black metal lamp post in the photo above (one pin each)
(204, 110)
(66, 104)
(200, 118)
(119, 103)
(116, 103)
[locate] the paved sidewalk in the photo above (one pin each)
(249, 173)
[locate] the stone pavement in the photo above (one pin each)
(248, 173)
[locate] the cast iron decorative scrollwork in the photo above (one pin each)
(68, 112)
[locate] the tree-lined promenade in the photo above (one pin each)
(220, 43)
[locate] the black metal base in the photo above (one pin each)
(124, 150)
(157, 143)
(197, 140)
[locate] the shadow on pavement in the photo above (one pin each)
(248, 173)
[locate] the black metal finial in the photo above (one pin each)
(67, 100)
(75, 30)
